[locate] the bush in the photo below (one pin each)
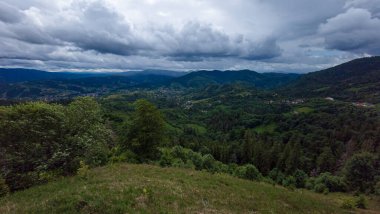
(321, 188)
(360, 202)
(126, 156)
(208, 163)
(249, 172)
(348, 204)
(289, 182)
(276, 175)
(83, 170)
(166, 158)
(189, 158)
(178, 163)
(310, 183)
(377, 188)
(331, 182)
(252, 173)
(4, 189)
(300, 178)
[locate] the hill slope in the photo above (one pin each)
(14, 75)
(265, 80)
(56, 89)
(357, 80)
(149, 189)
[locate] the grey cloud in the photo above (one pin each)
(372, 6)
(9, 14)
(195, 41)
(98, 28)
(354, 30)
(195, 34)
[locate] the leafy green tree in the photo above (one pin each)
(146, 132)
(40, 140)
(326, 161)
(360, 172)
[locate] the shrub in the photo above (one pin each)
(331, 182)
(300, 178)
(276, 175)
(348, 204)
(178, 163)
(197, 160)
(166, 158)
(4, 189)
(83, 170)
(208, 163)
(249, 172)
(252, 173)
(321, 188)
(377, 188)
(310, 183)
(360, 202)
(289, 182)
(126, 156)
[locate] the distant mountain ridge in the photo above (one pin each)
(354, 81)
(357, 80)
(259, 80)
(14, 75)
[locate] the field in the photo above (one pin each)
(126, 188)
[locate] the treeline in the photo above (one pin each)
(40, 142)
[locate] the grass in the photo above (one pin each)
(126, 188)
(199, 129)
(304, 110)
(270, 128)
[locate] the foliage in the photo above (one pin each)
(51, 139)
(83, 170)
(331, 182)
(360, 202)
(300, 178)
(146, 132)
(186, 158)
(360, 171)
(377, 188)
(4, 189)
(249, 172)
(289, 182)
(348, 203)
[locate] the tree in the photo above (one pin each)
(146, 132)
(360, 172)
(40, 140)
(326, 161)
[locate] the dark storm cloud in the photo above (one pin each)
(197, 34)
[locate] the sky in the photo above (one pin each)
(114, 35)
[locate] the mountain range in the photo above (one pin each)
(356, 81)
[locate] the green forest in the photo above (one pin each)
(311, 142)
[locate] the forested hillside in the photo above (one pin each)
(229, 127)
(204, 78)
(357, 81)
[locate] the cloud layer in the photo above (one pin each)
(290, 35)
